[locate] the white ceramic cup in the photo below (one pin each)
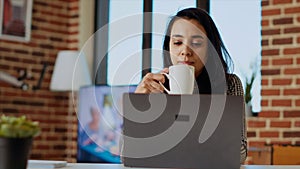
(181, 79)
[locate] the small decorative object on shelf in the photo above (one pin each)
(16, 137)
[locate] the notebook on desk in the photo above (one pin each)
(182, 131)
(46, 164)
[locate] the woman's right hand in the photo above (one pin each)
(150, 83)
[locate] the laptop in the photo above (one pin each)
(182, 131)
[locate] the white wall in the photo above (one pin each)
(86, 29)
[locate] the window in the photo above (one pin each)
(239, 23)
(126, 27)
(123, 64)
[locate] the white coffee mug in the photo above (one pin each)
(181, 79)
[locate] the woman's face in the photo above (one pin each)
(188, 44)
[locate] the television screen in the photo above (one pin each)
(100, 123)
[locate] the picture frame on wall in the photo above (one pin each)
(15, 19)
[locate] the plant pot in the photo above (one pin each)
(248, 110)
(14, 152)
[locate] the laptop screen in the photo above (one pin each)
(100, 123)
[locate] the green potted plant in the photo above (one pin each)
(248, 94)
(16, 137)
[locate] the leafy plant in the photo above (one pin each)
(248, 89)
(18, 127)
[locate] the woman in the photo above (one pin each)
(192, 38)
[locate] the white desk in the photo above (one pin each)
(120, 166)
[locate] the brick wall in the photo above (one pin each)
(279, 120)
(54, 28)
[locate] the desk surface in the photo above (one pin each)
(120, 166)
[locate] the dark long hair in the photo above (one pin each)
(219, 62)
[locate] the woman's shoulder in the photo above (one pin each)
(233, 78)
(234, 85)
